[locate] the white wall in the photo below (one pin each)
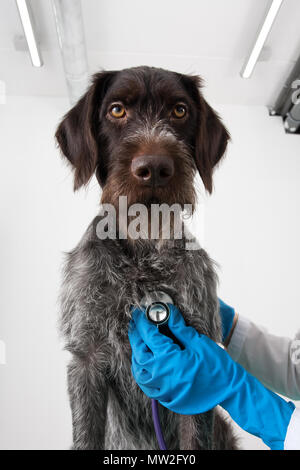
(40, 218)
(251, 229)
(252, 219)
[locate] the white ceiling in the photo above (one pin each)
(208, 37)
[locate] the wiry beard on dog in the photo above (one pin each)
(151, 140)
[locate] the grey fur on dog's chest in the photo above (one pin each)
(101, 283)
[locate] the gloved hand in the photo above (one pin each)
(227, 315)
(201, 376)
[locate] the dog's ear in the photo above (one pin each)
(211, 144)
(211, 135)
(76, 135)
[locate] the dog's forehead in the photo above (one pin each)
(133, 85)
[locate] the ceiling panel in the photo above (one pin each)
(208, 37)
(193, 27)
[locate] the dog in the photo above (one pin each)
(144, 132)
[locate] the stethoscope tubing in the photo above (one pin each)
(157, 426)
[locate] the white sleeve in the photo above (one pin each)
(274, 360)
(292, 439)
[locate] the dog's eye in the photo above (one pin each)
(117, 110)
(179, 111)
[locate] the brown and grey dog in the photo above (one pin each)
(144, 132)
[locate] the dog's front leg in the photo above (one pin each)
(88, 393)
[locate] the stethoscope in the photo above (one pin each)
(157, 309)
(158, 312)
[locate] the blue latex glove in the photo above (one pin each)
(227, 316)
(201, 376)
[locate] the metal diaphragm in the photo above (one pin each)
(158, 313)
(156, 305)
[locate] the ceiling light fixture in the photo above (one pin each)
(29, 32)
(248, 68)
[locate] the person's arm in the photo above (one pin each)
(272, 359)
(202, 376)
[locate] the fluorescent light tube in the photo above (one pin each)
(27, 24)
(248, 68)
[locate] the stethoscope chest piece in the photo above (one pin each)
(157, 309)
(158, 313)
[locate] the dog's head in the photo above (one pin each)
(144, 132)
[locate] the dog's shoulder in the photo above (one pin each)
(84, 283)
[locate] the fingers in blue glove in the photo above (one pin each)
(186, 334)
(141, 351)
(150, 335)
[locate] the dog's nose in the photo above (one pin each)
(152, 170)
